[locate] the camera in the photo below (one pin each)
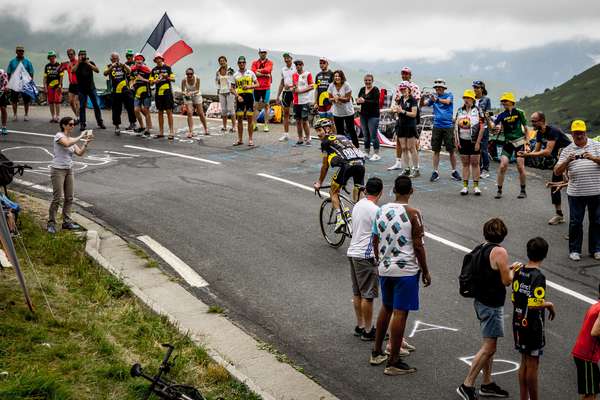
(579, 156)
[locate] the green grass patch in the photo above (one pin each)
(214, 309)
(100, 330)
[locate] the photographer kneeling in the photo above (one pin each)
(62, 172)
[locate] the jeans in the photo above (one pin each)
(120, 100)
(83, 98)
(577, 205)
(555, 195)
(485, 155)
(350, 131)
(62, 187)
(369, 127)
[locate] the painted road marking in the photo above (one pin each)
(47, 189)
(429, 327)
(173, 154)
(514, 366)
(449, 243)
(31, 133)
(121, 154)
(186, 272)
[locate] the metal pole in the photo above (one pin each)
(11, 253)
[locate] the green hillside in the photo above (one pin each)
(575, 99)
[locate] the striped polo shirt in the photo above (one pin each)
(584, 175)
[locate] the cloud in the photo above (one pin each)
(356, 30)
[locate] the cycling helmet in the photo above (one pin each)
(322, 123)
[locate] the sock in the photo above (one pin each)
(559, 213)
(522, 188)
(500, 188)
(476, 184)
(399, 160)
(465, 183)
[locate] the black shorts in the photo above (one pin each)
(406, 131)
(14, 97)
(351, 169)
(4, 99)
(442, 137)
(164, 102)
(301, 111)
(467, 148)
(245, 108)
(262, 96)
(510, 151)
(287, 98)
(588, 377)
(74, 88)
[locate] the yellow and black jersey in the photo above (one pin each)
(141, 89)
(53, 74)
(528, 297)
(340, 150)
(244, 79)
(118, 78)
(162, 77)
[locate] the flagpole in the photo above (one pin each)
(144, 46)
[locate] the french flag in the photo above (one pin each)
(165, 40)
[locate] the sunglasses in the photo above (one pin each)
(322, 62)
(535, 121)
(71, 124)
(189, 73)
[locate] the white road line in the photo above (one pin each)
(121, 154)
(47, 189)
(31, 133)
(173, 154)
(449, 243)
(186, 272)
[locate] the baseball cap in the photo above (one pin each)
(51, 53)
(82, 51)
(323, 59)
(478, 84)
(578, 126)
(20, 48)
(286, 54)
(298, 62)
(262, 50)
(241, 59)
(129, 52)
(406, 70)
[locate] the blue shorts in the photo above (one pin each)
(262, 96)
(145, 102)
(400, 292)
(490, 320)
(326, 114)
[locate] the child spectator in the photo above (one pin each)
(528, 297)
(586, 353)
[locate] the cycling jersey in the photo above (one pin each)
(529, 289)
(322, 82)
(53, 74)
(468, 123)
(264, 67)
(163, 85)
(340, 151)
(118, 78)
(513, 122)
(245, 78)
(142, 89)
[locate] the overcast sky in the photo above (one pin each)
(342, 29)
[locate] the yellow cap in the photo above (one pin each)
(470, 93)
(508, 96)
(578, 126)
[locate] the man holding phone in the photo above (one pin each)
(84, 71)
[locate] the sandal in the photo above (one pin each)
(171, 137)
(238, 144)
(190, 135)
(250, 144)
(158, 136)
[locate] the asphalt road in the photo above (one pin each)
(258, 244)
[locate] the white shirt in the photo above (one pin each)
(286, 75)
(341, 109)
(304, 82)
(363, 216)
(63, 156)
(584, 175)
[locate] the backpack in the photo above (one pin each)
(6, 171)
(469, 273)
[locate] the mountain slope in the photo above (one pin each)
(575, 99)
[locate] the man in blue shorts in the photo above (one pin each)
(399, 250)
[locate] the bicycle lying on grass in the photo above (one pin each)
(163, 388)
(328, 217)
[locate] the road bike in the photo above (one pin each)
(163, 388)
(328, 217)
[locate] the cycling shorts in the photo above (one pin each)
(262, 96)
(245, 108)
(351, 169)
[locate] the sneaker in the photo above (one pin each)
(266, 128)
(522, 195)
(51, 229)
(498, 195)
(70, 226)
(147, 133)
(557, 219)
(575, 256)
(406, 172)
(484, 174)
(464, 191)
(477, 191)
(101, 125)
(414, 173)
(456, 176)
(492, 390)
(26, 118)
(377, 358)
(117, 131)
(408, 346)
(339, 225)
(435, 176)
(284, 138)
(15, 118)
(131, 127)
(4, 131)
(299, 143)
(404, 351)
(368, 336)
(466, 392)
(358, 331)
(139, 130)
(397, 165)
(308, 143)
(596, 255)
(375, 157)
(398, 368)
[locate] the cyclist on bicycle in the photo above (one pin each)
(339, 152)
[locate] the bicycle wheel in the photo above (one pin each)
(327, 216)
(184, 392)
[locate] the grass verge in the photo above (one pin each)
(99, 331)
